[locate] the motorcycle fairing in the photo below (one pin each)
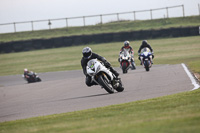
(94, 67)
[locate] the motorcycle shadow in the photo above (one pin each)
(83, 97)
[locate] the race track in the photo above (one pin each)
(61, 92)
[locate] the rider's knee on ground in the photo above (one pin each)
(88, 81)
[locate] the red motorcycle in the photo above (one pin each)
(125, 61)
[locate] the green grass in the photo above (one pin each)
(105, 28)
(167, 51)
(178, 113)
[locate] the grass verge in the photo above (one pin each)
(174, 113)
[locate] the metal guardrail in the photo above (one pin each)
(49, 21)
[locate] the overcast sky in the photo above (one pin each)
(28, 10)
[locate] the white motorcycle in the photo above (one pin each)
(125, 61)
(103, 76)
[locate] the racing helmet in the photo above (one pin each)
(25, 70)
(87, 52)
(144, 42)
(126, 43)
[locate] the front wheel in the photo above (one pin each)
(124, 67)
(38, 79)
(146, 65)
(104, 82)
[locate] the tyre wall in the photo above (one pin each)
(18, 46)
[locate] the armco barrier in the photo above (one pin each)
(18, 46)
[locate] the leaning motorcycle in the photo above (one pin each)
(103, 76)
(146, 57)
(32, 77)
(125, 61)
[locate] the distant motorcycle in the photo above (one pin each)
(146, 57)
(125, 61)
(32, 77)
(103, 76)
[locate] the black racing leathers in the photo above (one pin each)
(84, 62)
(143, 46)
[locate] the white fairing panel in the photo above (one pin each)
(94, 67)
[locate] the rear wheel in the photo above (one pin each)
(104, 82)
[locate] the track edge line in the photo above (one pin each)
(196, 85)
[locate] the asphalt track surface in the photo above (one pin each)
(61, 92)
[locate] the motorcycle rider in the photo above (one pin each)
(88, 55)
(26, 73)
(30, 76)
(128, 48)
(143, 45)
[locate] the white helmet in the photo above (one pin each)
(25, 70)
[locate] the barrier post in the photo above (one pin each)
(134, 15)
(32, 25)
(83, 20)
(66, 22)
(117, 16)
(183, 11)
(15, 27)
(101, 20)
(49, 24)
(167, 12)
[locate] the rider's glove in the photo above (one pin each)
(107, 64)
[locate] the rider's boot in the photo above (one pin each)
(141, 60)
(116, 79)
(114, 72)
(133, 65)
(151, 59)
